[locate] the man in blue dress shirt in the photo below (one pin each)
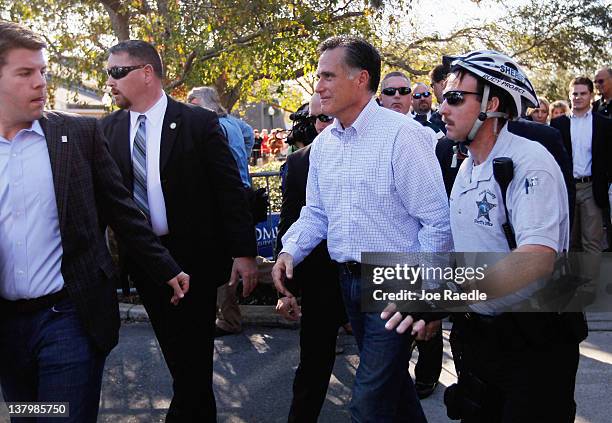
(373, 185)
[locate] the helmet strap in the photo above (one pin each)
(484, 115)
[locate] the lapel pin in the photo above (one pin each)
(172, 125)
(64, 138)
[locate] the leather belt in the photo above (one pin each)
(34, 304)
(352, 268)
(583, 180)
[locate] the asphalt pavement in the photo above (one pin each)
(254, 372)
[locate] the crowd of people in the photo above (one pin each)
(374, 171)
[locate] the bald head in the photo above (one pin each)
(603, 82)
(315, 110)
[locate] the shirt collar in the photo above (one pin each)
(34, 127)
(155, 115)
(362, 121)
(586, 115)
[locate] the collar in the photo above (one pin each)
(34, 127)
(155, 115)
(586, 115)
(362, 121)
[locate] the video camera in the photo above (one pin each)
(303, 129)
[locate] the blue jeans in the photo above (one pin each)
(47, 356)
(383, 390)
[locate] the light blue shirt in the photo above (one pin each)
(247, 133)
(236, 143)
(375, 186)
(30, 241)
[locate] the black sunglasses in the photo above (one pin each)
(323, 118)
(118, 72)
(455, 98)
(391, 90)
(418, 96)
(599, 81)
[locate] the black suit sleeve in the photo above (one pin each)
(293, 199)
(228, 192)
(124, 217)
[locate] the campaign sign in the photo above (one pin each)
(266, 233)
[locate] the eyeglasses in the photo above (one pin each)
(417, 96)
(599, 81)
(455, 98)
(391, 91)
(118, 72)
(323, 118)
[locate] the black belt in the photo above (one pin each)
(352, 268)
(583, 180)
(33, 305)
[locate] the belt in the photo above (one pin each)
(33, 305)
(583, 180)
(352, 268)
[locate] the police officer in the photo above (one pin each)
(515, 367)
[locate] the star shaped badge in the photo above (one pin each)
(484, 207)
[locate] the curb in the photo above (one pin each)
(251, 315)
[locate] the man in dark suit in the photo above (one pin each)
(322, 311)
(58, 308)
(177, 164)
(587, 137)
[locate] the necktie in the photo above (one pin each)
(139, 165)
(420, 118)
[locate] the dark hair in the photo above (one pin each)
(359, 54)
(582, 80)
(142, 50)
(14, 36)
(506, 102)
(439, 73)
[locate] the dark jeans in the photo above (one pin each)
(383, 390)
(47, 356)
(322, 315)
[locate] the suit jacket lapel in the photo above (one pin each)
(170, 130)
(122, 143)
(60, 147)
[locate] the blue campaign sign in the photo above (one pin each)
(266, 233)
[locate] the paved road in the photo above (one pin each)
(254, 372)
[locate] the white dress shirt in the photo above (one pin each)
(581, 130)
(155, 195)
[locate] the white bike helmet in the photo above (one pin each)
(500, 70)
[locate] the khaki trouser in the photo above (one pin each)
(587, 233)
(228, 316)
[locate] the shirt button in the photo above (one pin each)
(20, 273)
(15, 154)
(17, 213)
(16, 184)
(19, 243)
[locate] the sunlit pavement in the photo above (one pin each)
(254, 374)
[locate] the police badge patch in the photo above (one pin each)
(484, 207)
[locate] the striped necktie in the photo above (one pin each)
(139, 165)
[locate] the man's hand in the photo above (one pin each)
(289, 308)
(246, 268)
(283, 269)
(180, 286)
(429, 331)
(394, 321)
